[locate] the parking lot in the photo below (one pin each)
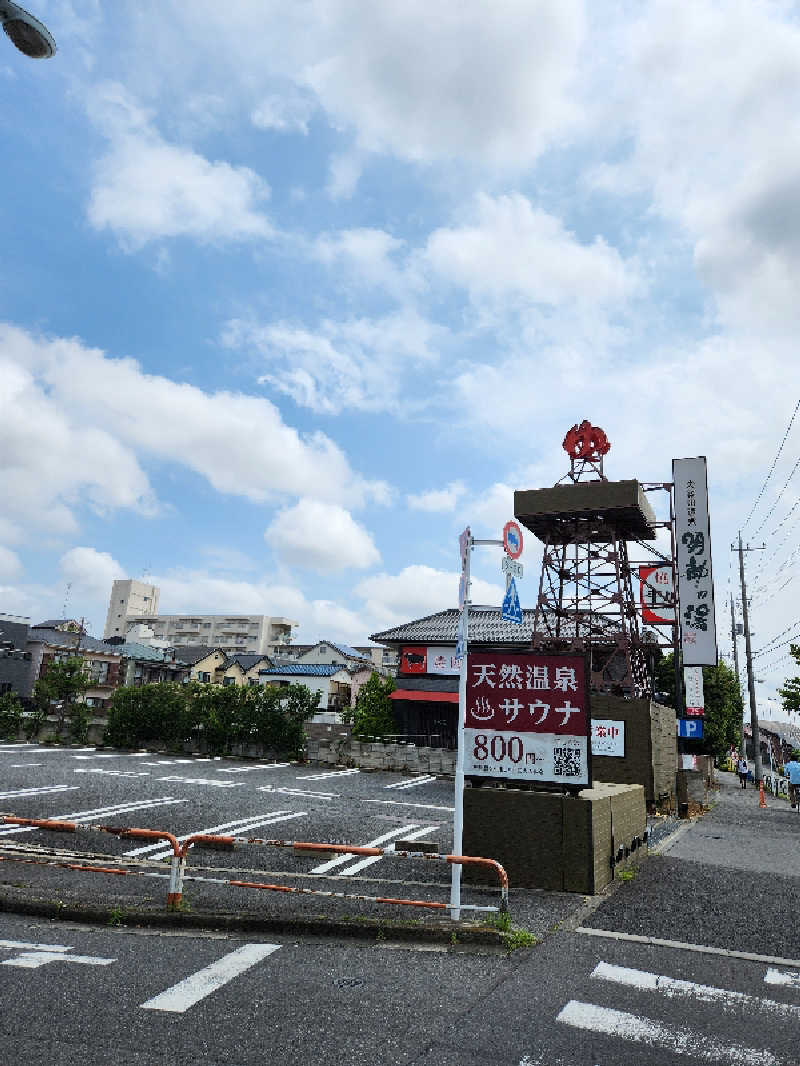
(280, 802)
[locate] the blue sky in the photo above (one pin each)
(289, 294)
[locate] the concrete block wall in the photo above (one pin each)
(552, 841)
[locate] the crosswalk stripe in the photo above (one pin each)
(676, 989)
(679, 1040)
(198, 985)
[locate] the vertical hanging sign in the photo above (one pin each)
(693, 558)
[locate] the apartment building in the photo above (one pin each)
(133, 614)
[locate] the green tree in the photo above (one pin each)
(373, 714)
(63, 684)
(790, 693)
(722, 725)
(10, 716)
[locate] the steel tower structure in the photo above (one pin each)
(586, 600)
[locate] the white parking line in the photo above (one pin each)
(111, 773)
(247, 769)
(242, 825)
(298, 792)
(201, 984)
(672, 988)
(340, 860)
(362, 864)
(32, 960)
(44, 790)
(328, 773)
(99, 812)
(24, 765)
(23, 945)
(781, 977)
(201, 781)
(411, 782)
(679, 1040)
(406, 803)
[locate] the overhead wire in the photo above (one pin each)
(774, 463)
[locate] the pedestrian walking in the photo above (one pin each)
(792, 772)
(741, 769)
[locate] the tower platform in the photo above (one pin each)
(586, 512)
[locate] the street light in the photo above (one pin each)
(29, 35)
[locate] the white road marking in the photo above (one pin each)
(241, 826)
(675, 989)
(42, 791)
(174, 762)
(112, 773)
(99, 755)
(328, 773)
(14, 749)
(298, 792)
(412, 781)
(405, 803)
(780, 977)
(678, 1040)
(22, 945)
(24, 765)
(247, 769)
(363, 863)
(32, 960)
(98, 812)
(201, 984)
(702, 949)
(202, 781)
(340, 860)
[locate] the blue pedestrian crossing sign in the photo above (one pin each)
(511, 610)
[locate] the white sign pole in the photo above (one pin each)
(458, 812)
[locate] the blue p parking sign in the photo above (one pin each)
(690, 728)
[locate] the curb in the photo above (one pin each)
(357, 928)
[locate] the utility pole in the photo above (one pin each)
(751, 686)
(736, 661)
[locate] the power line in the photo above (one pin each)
(778, 499)
(774, 462)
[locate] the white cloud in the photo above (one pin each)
(322, 537)
(91, 573)
(10, 565)
(420, 79)
(344, 173)
(431, 80)
(356, 364)
(438, 499)
(416, 591)
(147, 189)
(285, 112)
(75, 425)
(368, 254)
(510, 251)
(705, 93)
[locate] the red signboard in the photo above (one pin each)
(657, 594)
(527, 717)
(414, 660)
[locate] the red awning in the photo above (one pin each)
(422, 696)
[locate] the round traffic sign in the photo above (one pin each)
(512, 539)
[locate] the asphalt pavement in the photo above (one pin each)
(693, 959)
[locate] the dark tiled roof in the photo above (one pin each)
(247, 660)
(192, 653)
(345, 649)
(485, 627)
(78, 642)
(303, 670)
(427, 684)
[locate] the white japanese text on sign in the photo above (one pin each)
(527, 718)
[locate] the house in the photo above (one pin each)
(17, 671)
(205, 664)
(101, 661)
(426, 697)
(331, 681)
(331, 653)
(144, 665)
(244, 669)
